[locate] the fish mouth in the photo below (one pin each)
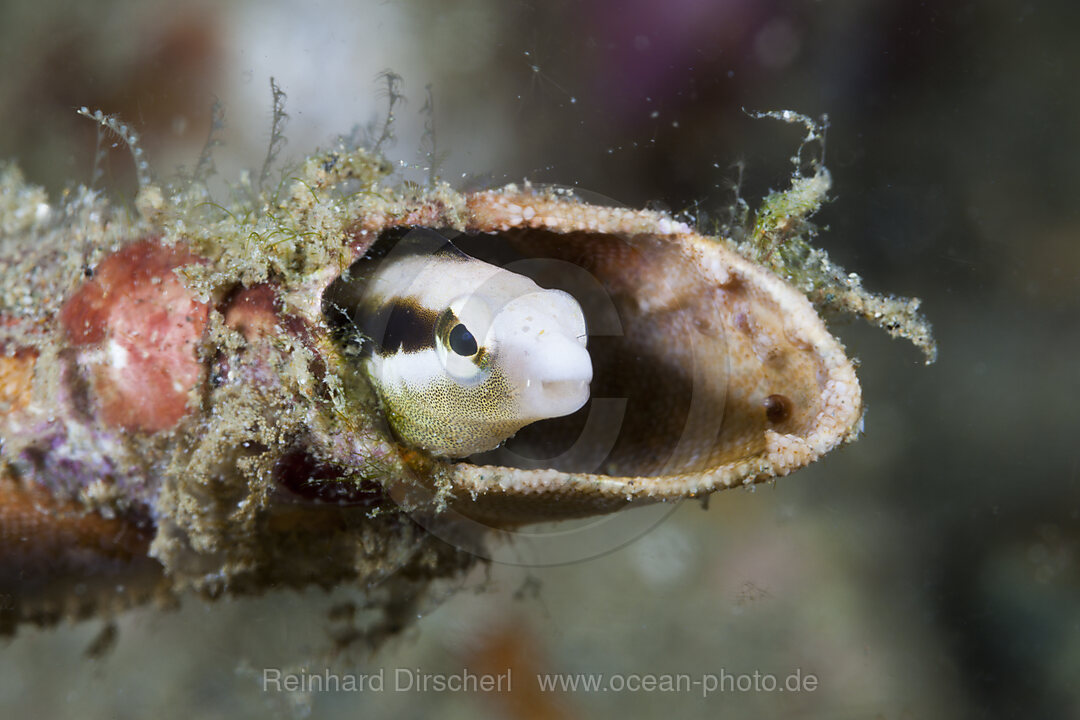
(564, 397)
(556, 386)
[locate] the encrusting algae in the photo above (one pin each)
(180, 412)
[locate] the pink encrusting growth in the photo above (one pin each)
(137, 329)
(253, 312)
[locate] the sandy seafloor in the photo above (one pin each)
(929, 570)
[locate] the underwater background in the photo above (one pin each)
(928, 570)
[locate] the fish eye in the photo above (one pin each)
(462, 341)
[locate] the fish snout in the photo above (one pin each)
(544, 336)
(564, 371)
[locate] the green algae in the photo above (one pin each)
(779, 235)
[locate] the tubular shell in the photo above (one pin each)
(176, 411)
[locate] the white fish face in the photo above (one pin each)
(539, 342)
(468, 353)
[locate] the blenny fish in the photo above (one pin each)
(463, 353)
(284, 388)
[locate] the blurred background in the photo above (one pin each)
(929, 570)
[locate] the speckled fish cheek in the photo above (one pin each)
(443, 416)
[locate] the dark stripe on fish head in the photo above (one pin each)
(402, 324)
